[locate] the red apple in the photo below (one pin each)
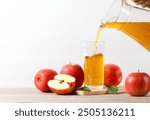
(112, 75)
(137, 84)
(42, 77)
(62, 84)
(74, 70)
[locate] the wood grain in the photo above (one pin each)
(29, 95)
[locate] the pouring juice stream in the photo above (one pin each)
(93, 65)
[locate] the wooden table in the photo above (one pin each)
(33, 95)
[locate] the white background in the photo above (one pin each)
(36, 34)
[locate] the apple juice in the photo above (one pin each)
(94, 64)
(94, 70)
(139, 31)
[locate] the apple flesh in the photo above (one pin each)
(42, 77)
(137, 84)
(62, 84)
(112, 75)
(74, 70)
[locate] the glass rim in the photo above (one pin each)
(123, 8)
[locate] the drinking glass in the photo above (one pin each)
(94, 65)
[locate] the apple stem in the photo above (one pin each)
(138, 70)
(70, 63)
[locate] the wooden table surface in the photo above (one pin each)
(32, 95)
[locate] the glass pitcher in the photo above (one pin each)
(131, 18)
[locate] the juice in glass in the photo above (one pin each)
(94, 66)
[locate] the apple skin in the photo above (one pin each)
(64, 91)
(112, 75)
(137, 84)
(42, 77)
(74, 70)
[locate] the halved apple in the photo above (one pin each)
(62, 84)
